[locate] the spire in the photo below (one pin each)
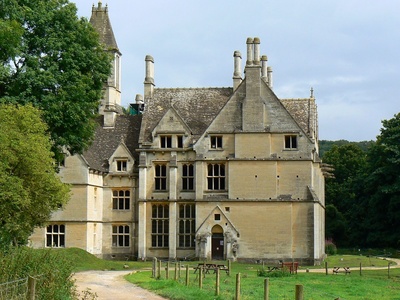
(102, 24)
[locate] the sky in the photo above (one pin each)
(348, 51)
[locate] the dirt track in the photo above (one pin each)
(111, 285)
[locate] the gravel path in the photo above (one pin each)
(111, 285)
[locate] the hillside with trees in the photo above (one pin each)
(363, 198)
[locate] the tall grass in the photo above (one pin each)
(51, 269)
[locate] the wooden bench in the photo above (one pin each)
(346, 270)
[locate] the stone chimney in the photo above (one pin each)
(253, 67)
(249, 60)
(269, 74)
(149, 79)
(253, 106)
(264, 66)
(237, 73)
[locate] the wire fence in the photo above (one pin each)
(14, 290)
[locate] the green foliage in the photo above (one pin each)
(349, 163)
(330, 247)
(51, 269)
(325, 145)
(276, 273)
(29, 188)
(382, 186)
(363, 200)
(53, 60)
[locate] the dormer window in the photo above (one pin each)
(165, 141)
(122, 165)
(216, 142)
(290, 141)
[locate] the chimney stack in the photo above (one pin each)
(264, 66)
(269, 73)
(149, 79)
(249, 43)
(237, 74)
(256, 43)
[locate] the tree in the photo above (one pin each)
(53, 60)
(382, 188)
(341, 193)
(29, 188)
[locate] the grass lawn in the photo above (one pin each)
(371, 285)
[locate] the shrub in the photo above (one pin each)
(330, 247)
(49, 267)
(275, 273)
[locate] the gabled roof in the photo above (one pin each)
(304, 112)
(101, 22)
(107, 140)
(196, 106)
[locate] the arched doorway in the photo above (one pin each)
(217, 242)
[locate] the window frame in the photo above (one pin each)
(179, 141)
(160, 226)
(187, 225)
(122, 165)
(120, 239)
(291, 142)
(57, 238)
(166, 141)
(216, 177)
(121, 202)
(160, 177)
(216, 142)
(187, 177)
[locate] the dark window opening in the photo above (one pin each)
(216, 142)
(290, 142)
(166, 141)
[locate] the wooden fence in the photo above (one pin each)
(157, 267)
(18, 289)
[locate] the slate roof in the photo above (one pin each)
(196, 106)
(101, 22)
(106, 141)
(304, 113)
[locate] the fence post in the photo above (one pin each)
(299, 292)
(31, 288)
(360, 269)
(176, 272)
(159, 270)
(266, 288)
(229, 267)
(326, 268)
(187, 275)
(167, 271)
(217, 282)
(237, 294)
(153, 271)
(388, 269)
(200, 278)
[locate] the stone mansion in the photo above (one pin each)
(205, 173)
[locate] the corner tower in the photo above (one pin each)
(110, 105)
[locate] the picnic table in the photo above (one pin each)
(346, 270)
(207, 267)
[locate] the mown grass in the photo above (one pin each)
(371, 285)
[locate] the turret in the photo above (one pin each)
(110, 105)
